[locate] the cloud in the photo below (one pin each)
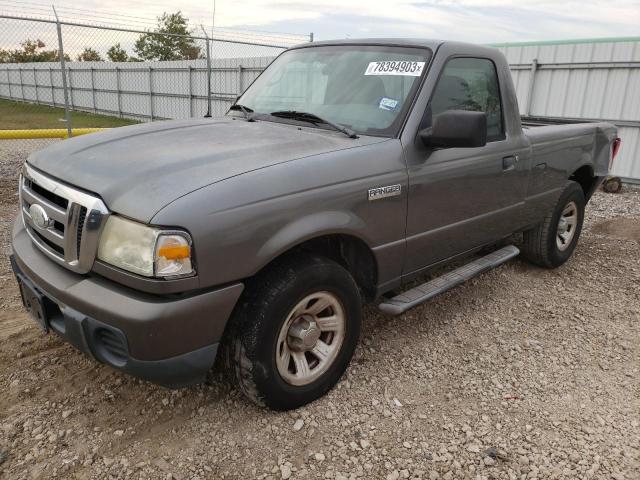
(476, 20)
(470, 20)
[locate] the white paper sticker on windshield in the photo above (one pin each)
(395, 67)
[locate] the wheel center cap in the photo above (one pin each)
(303, 334)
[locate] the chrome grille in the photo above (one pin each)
(64, 222)
(80, 229)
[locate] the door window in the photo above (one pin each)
(471, 84)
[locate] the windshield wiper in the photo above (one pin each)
(246, 111)
(313, 118)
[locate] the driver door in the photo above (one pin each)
(463, 198)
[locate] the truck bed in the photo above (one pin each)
(568, 146)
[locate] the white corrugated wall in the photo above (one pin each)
(583, 79)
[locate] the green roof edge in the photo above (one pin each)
(566, 42)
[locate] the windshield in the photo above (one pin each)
(366, 88)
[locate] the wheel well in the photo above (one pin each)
(584, 176)
(350, 252)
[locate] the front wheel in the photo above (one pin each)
(295, 332)
(552, 242)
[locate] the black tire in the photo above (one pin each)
(539, 246)
(267, 301)
(612, 185)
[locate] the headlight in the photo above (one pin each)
(145, 250)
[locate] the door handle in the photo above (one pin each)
(509, 163)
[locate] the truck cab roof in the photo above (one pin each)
(431, 44)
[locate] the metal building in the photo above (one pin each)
(578, 80)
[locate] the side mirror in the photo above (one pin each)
(456, 128)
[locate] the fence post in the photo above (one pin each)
(190, 92)
(240, 87)
(118, 91)
(93, 90)
(9, 83)
(35, 83)
(70, 88)
(53, 93)
(208, 78)
(151, 92)
(67, 112)
(532, 81)
(21, 83)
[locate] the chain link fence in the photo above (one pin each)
(67, 75)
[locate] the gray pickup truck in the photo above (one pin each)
(345, 171)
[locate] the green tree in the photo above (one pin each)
(156, 46)
(89, 55)
(31, 51)
(117, 54)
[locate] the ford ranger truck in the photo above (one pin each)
(345, 171)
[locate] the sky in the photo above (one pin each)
(481, 21)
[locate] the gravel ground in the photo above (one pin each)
(520, 373)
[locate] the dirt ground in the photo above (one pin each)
(522, 373)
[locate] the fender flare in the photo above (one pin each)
(318, 224)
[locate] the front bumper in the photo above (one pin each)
(171, 341)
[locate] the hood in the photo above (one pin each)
(138, 170)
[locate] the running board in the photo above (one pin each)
(420, 294)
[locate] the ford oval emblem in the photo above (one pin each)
(39, 216)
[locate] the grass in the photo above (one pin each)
(19, 115)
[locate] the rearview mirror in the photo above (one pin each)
(456, 128)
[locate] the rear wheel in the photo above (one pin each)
(552, 242)
(295, 332)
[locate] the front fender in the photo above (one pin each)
(312, 226)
